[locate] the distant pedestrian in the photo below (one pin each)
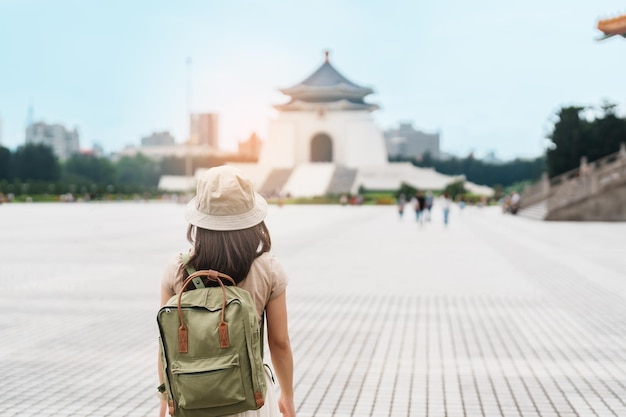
(419, 205)
(462, 203)
(515, 199)
(429, 204)
(446, 203)
(401, 202)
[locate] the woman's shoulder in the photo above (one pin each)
(175, 261)
(172, 268)
(267, 264)
(267, 269)
(267, 261)
(266, 257)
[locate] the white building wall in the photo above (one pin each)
(356, 139)
(362, 133)
(279, 149)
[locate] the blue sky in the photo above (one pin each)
(488, 75)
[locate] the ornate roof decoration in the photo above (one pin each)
(613, 26)
(327, 88)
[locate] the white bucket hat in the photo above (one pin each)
(225, 200)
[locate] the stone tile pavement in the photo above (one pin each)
(493, 316)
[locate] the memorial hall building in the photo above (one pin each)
(324, 141)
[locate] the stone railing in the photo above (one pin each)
(536, 193)
(589, 179)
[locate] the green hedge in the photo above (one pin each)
(43, 188)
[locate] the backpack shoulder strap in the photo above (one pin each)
(262, 333)
(197, 281)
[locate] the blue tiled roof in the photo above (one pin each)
(327, 84)
(327, 76)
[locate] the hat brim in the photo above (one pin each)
(227, 222)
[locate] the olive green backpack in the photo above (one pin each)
(211, 349)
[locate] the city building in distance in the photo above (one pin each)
(251, 148)
(408, 143)
(158, 139)
(203, 141)
(64, 142)
(203, 129)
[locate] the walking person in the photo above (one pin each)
(419, 205)
(515, 200)
(401, 202)
(446, 203)
(429, 204)
(228, 234)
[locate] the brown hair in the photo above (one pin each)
(230, 252)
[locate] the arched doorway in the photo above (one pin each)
(321, 148)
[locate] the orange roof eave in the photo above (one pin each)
(614, 26)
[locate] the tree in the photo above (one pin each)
(173, 165)
(407, 190)
(5, 163)
(574, 137)
(455, 189)
(90, 168)
(35, 162)
(480, 172)
(569, 137)
(137, 170)
(427, 160)
(608, 131)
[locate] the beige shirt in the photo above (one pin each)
(265, 281)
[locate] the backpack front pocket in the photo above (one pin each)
(208, 382)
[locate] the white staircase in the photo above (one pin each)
(309, 180)
(537, 211)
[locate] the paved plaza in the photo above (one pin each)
(494, 316)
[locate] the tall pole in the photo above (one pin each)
(189, 92)
(188, 159)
